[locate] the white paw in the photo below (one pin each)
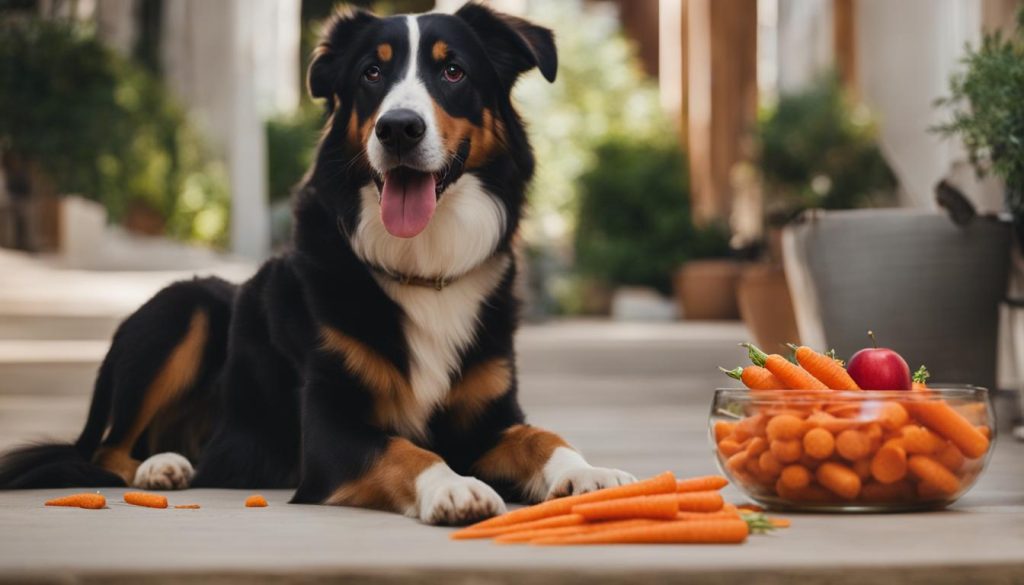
(447, 498)
(163, 471)
(580, 480)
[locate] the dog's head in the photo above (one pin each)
(421, 100)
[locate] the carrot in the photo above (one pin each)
(146, 500)
(943, 419)
(862, 467)
(920, 380)
(87, 501)
(785, 427)
(187, 507)
(889, 464)
(255, 501)
(985, 431)
(787, 451)
(853, 445)
(811, 494)
(892, 415)
(729, 447)
(723, 513)
(726, 531)
(737, 462)
(791, 375)
(521, 536)
(950, 457)
(659, 484)
(831, 423)
(561, 521)
(723, 429)
(919, 440)
(839, 479)
(702, 484)
(661, 507)
(935, 474)
(752, 426)
(769, 464)
(755, 378)
(795, 477)
(844, 410)
(819, 443)
(826, 369)
(780, 522)
(709, 501)
(886, 492)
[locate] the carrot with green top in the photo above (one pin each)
(824, 368)
(791, 375)
(919, 381)
(724, 531)
(145, 500)
(524, 536)
(755, 378)
(710, 501)
(562, 521)
(664, 483)
(659, 507)
(703, 483)
(87, 501)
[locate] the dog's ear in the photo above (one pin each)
(513, 44)
(326, 63)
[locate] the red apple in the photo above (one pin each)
(879, 368)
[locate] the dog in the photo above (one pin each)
(373, 364)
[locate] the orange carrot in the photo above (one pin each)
(737, 462)
(819, 443)
(785, 427)
(255, 501)
(561, 521)
(755, 447)
(87, 501)
(839, 479)
(187, 507)
(933, 473)
(791, 375)
(729, 447)
(787, 451)
(723, 513)
(950, 457)
(769, 464)
(886, 492)
(862, 467)
(985, 431)
(920, 380)
(780, 522)
(726, 531)
(146, 500)
(919, 440)
(661, 507)
(853, 445)
(831, 423)
(709, 501)
(752, 426)
(659, 484)
(702, 484)
(521, 536)
(943, 419)
(795, 477)
(892, 415)
(755, 378)
(824, 368)
(722, 430)
(812, 494)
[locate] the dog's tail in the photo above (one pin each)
(51, 465)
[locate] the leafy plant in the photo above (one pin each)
(987, 113)
(291, 143)
(97, 125)
(634, 225)
(818, 150)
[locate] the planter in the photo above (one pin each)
(766, 306)
(928, 288)
(706, 289)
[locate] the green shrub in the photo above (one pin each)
(820, 151)
(634, 225)
(291, 144)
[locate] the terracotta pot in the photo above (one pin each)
(706, 289)
(766, 306)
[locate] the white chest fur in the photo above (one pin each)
(459, 242)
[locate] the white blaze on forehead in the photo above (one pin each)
(410, 93)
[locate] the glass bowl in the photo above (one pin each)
(859, 451)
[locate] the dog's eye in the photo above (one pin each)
(372, 74)
(453, 73)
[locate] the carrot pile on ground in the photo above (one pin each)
(659, 510)
(816, 449)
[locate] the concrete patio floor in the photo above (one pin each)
(629, 396)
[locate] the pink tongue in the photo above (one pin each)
(407, 202)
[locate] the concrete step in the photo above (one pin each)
(49, 367)
(23, 326)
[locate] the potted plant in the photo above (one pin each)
(635, 229)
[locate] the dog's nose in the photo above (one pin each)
(400, 130)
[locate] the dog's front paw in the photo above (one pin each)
(450, 499)
(164, 471)
(580, 480)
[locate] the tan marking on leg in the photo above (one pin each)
(478, 387)
(390, 482)
(176, 375)
(520, 455)
(439, 51)
(384, 52)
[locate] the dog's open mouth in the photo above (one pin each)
(408, 198)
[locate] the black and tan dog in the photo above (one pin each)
(374, 364)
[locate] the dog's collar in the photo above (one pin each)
(439, 283)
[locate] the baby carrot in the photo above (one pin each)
(88, 501)
(702, 483)
(755, 378)
(662, 507)
(255, 501)
(725, 531)
(839, 479)
(942, 418)
(521, 536)
(892, 415)
(862, 467)
(933, 473)
(755, 447)
(659, 484)
(919, 440)
(785, 427)
(769, 464)
(950, 457)
(831, 423)
(787, 451)
(729, 447)
(144, 499)
(819, 443)
(544, 523)
(889, 464)
(795, 477)
(853, 445)
(723, 429)
(791, 375)
(752, 426)
(824, 368)
(710, 501)
(886, 492)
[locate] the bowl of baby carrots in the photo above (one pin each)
(803, 436)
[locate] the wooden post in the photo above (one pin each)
(721, 37)
(844, 42)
